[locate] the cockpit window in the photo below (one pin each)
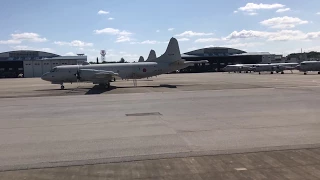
(303, 63)
(53, 69)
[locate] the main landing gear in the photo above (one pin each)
(62, 87)
(105, 85)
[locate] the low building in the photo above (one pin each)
(219, 57)
(33, 63)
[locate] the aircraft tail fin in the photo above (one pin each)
(141, 59)
(172, 53)
(152, 56)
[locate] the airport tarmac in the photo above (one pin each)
(35, 87)
(174, 126)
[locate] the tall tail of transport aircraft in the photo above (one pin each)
(141, 59)
(152, 56)
(172, 53)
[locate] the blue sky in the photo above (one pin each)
(131, 28)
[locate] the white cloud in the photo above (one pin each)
(252, 13)
(112, 31)
(123, 36)
(19, 37)
(313, 35)
(183, 39)
(123, 39)
(283, 22)
(283, 10)
(149, 42)
(10, 41)
(318, 13)
(235, 12)
(75, 43)
(191, 34)
(246, 34)
(33, 37)
(110, 18)
(170, 29)
(103, 12)
(157, 30)
(70, 54)
(283, 35)
(205, 40)
(249, 7)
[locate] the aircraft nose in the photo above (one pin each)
(45, 76)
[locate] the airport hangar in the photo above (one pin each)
(33, 63)
(219, 57)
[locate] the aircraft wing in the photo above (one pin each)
(98, 75)
(196, 62)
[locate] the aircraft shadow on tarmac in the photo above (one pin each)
(98, 90)
(156, 86)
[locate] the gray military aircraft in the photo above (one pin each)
(274, 67)
(306, 66)
(238, 68)
(102, 74)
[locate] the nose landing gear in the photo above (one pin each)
(62, 87)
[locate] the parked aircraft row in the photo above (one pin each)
(305, 67)
(103, 74)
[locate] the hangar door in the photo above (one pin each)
(28, 69)
(37, 69)
(46, 66)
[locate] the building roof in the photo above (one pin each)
(25, 55)
(28, 51)
(67, 58)
(220, 52)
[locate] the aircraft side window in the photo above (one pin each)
(53, 70)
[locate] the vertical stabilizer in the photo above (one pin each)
(172, 53)
(152, 55)
(141, 59)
